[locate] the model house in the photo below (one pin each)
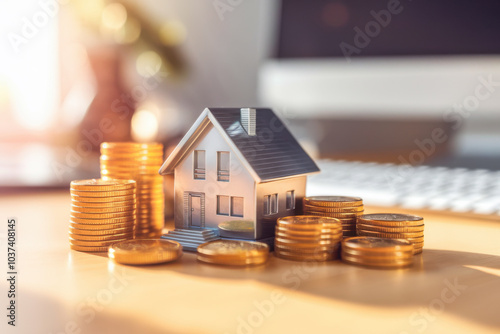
(236, 164)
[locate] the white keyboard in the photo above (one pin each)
(457, 190)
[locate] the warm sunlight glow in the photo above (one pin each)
(145, 125)
(148, 64)
(114, 16)
(129, 33)
(172, 33)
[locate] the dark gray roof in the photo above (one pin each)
(274, 152)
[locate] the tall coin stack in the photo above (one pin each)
(377, 252)
(139, 162)
(308, 238)
(102, 212)
(344, 208)
(393, 226)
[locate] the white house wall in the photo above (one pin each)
(241, 183)
(267, 222)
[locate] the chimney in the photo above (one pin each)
(247, 120)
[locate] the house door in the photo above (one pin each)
(195, 210)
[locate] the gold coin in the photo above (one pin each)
(103, 227)
(82, 199)
(306, 248)
(101, 194)
(378, 255)
(416, 240)
(284, 235)
(390, 235)
(373, 244)
(390, 219)
(305, 243)
(307, 232)
(245, 261)
(110, 237)
(150, 235)
(309, 251)
(102, 221)
(89, 249)
(384, 265)
(113, 156)
(398, 229)
(353, 209)
(87, 215)
(112, 209)
(145, 251)
(335, 201)
(233, 247)
(101, 243)
(348, 220)
(123, 168)
(394, 224)
(102, 185)
(301, 257)
(107, 174)
(102, 205)
(151, 192)
(156, 185)
(148, 230)
(307, 222)
(331, 214)
(390, 254)
(243, 226)
(128, 229)
(131, 145)
(135, 164)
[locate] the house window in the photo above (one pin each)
(223, 166)
(271, 204)
(223, 205)
(233, 205)
(237, 206)
(290, 200)
(199, 165)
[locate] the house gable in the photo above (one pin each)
(239, 186)
(204, 124)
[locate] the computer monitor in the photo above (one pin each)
(385, 58)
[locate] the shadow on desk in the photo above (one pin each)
(460, 284)
(464, 284)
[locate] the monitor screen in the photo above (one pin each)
(357, 28)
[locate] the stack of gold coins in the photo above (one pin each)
(233, 252)
(377, 252)
(145, 251)
(139, 162)
(344, 208)
(308, 238)
(393, 226)
(102, 212)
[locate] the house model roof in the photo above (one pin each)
(270, 153)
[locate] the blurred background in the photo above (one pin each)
(355, 80)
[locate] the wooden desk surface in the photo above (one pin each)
(454, 287)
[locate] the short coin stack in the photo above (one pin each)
(139, 162)
(393, 226)
(233, 252)
(102, 212)
(145, 251)
(308, 238)
(344, 208)
(377, 252)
